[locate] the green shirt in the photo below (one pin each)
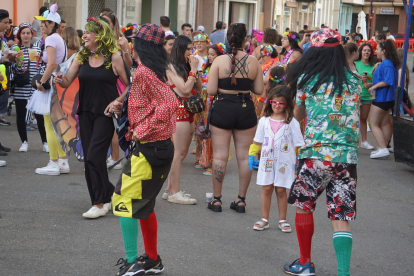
(361, 69)
(332, 128)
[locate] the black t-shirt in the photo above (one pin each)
(358, 37)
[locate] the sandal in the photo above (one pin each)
(193, 152)
(262, 225)
(215, 208)
(208, 172)
(198, 165)
(284, 224)
(235, 205)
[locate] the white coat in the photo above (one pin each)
(277, 159)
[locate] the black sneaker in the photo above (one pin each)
(2, 153)
(124, 267)
(151, 267)
(4, 149)
(3, 122)
(135, 269)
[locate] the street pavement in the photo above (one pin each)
(42, 231)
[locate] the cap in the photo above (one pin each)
(3, 14)
(50, 15)
(25, 25)
(319, 37)
(200, 28)
(151, 33)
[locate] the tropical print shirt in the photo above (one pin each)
(332, 128)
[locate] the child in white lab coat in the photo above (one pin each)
(278, 133)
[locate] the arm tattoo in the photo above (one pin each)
(219, 172)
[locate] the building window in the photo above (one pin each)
(220, 10)
(243, 13)
(95, 6)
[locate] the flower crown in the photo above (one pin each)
(134, 26)
(221, 47)
(268, 50)
(94, 20)
(202, 36)
(277, 81)
(292, 36)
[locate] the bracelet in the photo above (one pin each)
(194, 79)
(194, 75)
(261, 99)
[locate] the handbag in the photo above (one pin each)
(194, 104)
(23, 79)
(202, 130)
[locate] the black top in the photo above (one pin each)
(242, 84)
(97, 88)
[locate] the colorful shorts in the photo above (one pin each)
(339, 180)
(183, 115)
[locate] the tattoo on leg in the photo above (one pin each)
(219, 172)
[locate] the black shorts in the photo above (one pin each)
(384, 105)
(232, 111)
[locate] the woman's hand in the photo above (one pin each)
(113, 107)
(40, 87)
(135, 137)
(375, 67)
(193, 63)
(364, 78)
(371, 89)
(123, 44)
(57, 78)
(367, 85)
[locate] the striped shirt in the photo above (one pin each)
(26, 91)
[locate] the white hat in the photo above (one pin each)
(50, 15)
(200, 28)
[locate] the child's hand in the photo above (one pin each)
(251, 162)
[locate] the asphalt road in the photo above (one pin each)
(42, 231)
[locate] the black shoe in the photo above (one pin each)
(151, 267)
(2, 153)
(3, 122)
(235, 205)
(124, 268)
(215, 208)
(4, 149)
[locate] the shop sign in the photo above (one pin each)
(387, 10)
(130, 9)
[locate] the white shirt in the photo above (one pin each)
(391, 37)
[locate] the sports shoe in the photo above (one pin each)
(135, 269)
(2, 163)
(107, 206)
(124, 266)
(63, 165)
(4, 149)
(391, 149)
(165, 194)
(110, 162)
(24, 147)
(45, 147)
(95, 212)
(367, 145)
(151, 267)
(2, 153)
(3, 122)
(296, 268)
(181, 198)
(52, 168)
(380, 153)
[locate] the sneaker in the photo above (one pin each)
(3, 122)
(135, 269)
(391, 150)
(95, 212)
(108, 206)
(52, 168)
(151, 267)
(296, 268)
(124, 266)
(2, 153)
(181, 198)
(110, 162)
(2, 163)
(380, 153)
(4, 149)
(367, 145)
(24, 147)
(63, 165)
(45, 147)
(165, 194)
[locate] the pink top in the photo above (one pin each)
(276, 125)
(55, 41)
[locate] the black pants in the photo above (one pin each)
(21, 121)
(96, 133)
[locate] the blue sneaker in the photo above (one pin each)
(296, 268)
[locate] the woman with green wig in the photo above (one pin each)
(98, 66)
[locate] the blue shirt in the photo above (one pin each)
(388, 73)
(219, 36)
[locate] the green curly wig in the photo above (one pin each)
(107, 43)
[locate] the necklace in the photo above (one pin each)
(286, 58)
(266, 66)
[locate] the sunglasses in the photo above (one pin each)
(199, 42)
(281, 104)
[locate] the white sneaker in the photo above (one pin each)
(24, 147)
(107, 206)
(45, 147)
(95, 212)
(2, 163)
(368, 129)
(110, 162)
(367, 145)
(391, 149)
(181, 198)
(63, 165)
(52, 168)
(380, 153)
(165, 194)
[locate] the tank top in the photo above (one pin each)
(97, 88)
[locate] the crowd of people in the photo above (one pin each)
(294, 104)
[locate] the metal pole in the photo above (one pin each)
(398, 106)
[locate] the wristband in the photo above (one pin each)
(194, 75)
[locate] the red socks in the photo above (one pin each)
(304, 231)
(149, 233)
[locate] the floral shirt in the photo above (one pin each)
(333, 121)
(151, 107)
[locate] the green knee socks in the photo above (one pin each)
(129, 228)
(342, 242)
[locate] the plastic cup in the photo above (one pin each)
(32, 54)
(372, 95)
(209, 196)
